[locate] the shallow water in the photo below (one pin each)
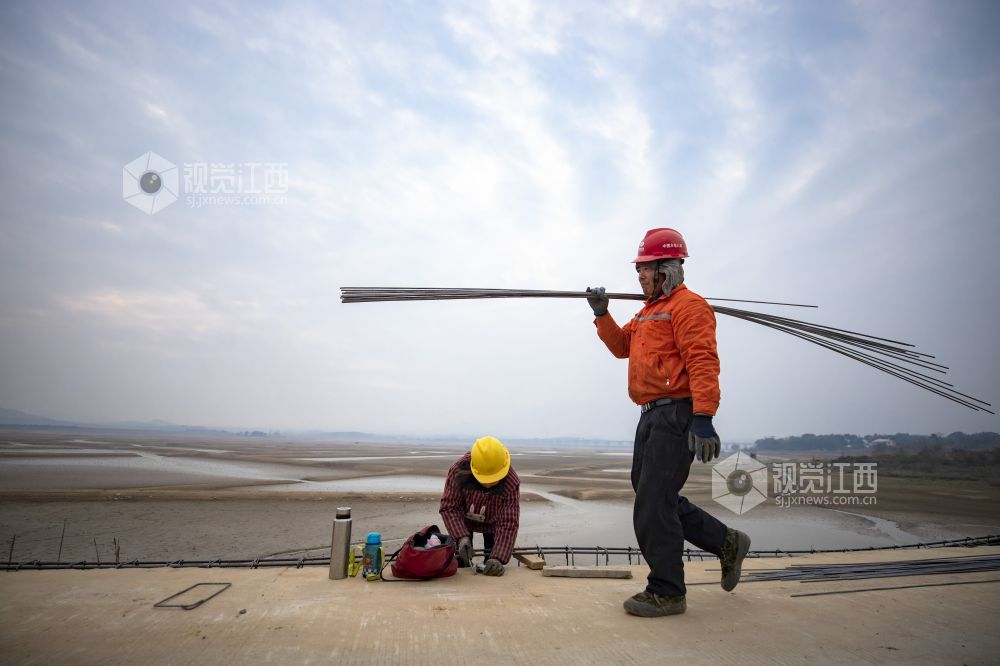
(132, 470)
(887, 527)
(367, 458)
(31, 450)
(409, 483)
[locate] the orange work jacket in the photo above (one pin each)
(671, 350)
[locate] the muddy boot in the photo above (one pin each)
(734, 549)
(647, 604)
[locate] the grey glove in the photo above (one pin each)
(598, 302)
(465, 551)
(493, 568)
(702, 438)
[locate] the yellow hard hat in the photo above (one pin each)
(490, 460)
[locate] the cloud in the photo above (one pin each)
(808, 152)
(172, 313)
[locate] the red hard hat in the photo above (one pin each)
(661, 244)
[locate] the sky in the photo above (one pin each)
(836, 153)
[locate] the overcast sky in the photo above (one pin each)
(836, 153)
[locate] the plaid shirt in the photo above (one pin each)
(500, 504)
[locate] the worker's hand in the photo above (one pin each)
(465, 551)
(702, 438)
(493, 568)
(598, 302)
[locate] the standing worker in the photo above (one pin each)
(482, 494)
(673, 375)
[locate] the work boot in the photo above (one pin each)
(647, 604)
(734, 549)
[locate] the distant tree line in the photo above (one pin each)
(900, 440)
(935, 463)
(810, 442)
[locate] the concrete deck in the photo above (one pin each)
(299, 616)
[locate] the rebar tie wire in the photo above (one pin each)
(567, 552)
(883, 354)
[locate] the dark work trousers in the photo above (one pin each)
(663, 518)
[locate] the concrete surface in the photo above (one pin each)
(299, 616)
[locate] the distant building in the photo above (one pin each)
(881, 441)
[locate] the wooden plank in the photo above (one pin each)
(531, 561)
(586, 572)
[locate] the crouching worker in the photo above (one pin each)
(482, 494)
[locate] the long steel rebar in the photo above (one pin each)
(895, 587)
(867, 570)
(377, 294)
(881, 353)
(880, 365)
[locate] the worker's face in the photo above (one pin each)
(647, 276)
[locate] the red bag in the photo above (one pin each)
(415, 561)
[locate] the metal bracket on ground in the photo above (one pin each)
(222, 588)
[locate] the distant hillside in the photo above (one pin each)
(12, 417)
(462, 440)
(902, 440)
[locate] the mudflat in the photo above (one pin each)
(169, 497)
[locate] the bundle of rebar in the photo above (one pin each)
(897, 359)
(815, 573)
(384, 294)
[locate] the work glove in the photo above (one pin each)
(702, 438)
(598, 302)
(465, 551)
(493, 568)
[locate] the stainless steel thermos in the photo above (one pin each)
(340, 545)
